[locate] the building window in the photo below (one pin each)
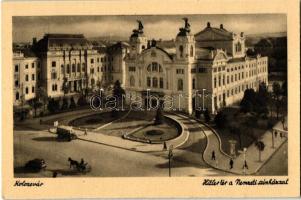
(62, 69)
(132, 81)
(231, 78)
(53, 75)
(242, 75)
(161, 82)
(16, 68)
(26, 77)
(32, 65)
(202, 70)
(68, 69)
(26, 66)
(180, 84)
(78, 67)
(214, 82)
(223, 79)
(181, 51)
(26, 90)
(92, 60)
(73, 67)
(17, 96)
(155, 82)
(32, 89)
(32, 77)
(227, 79)
(219, 81)
(191, 51)
(92, 70)
(193, 83)
(98, 60)
(83, 67)
(148, 81)
(16, 83)
(53, 64)
(180, 71)
(132, 69)
(154, 67)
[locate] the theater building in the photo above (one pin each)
(207, 70)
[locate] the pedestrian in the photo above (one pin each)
(54, 174)
(86, 132)
(164, 146)
(213, 155)
(245, 166)
(231, 163)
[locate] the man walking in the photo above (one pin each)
(231, 163)
(213, 155)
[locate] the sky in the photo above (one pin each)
(155, 26)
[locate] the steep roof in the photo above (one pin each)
(212, 33)
(62, 40)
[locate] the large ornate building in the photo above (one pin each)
(207, 70)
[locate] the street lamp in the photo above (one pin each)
(203, 98)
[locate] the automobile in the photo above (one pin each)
(35, 165)
(66, 136)
(66, 133)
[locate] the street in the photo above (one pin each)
(105, 161)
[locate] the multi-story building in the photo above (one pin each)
(209, 69)
(26, 72)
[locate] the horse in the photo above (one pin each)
(73, 163)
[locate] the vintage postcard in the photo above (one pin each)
(140, 99)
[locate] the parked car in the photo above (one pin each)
(35, 165)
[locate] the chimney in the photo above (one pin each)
(221, 26)
(208, 24)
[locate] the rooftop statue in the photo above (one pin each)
(186, 28)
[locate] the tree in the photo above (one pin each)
(118, 93)
(207, 115)
(260, 146)
(53, 105)
(262, 97)
(65, 104)
(82, 101)
(65, 86)
(220, 119)
(42, 95)
(270, 126)
(35, 104)
(72, 103)
(248, 101)
(159, 116)
(276, 97)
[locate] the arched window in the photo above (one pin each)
(17, 96)
(155, 82)
(132, 81)
(181, 50)
(160, 68)
(149, 68)
(191, 51)
(73, 67)
(180, 84)
(154, 67)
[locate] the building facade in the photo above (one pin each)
(207, 70)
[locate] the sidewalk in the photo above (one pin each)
(119, 142)
(252, 153)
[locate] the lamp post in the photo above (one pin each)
(203, 97)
